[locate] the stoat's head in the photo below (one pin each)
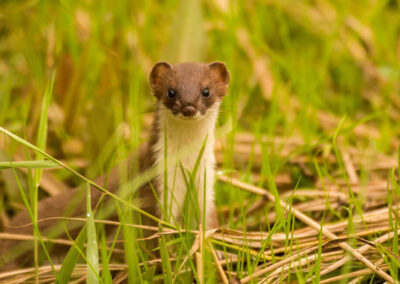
(188, 90)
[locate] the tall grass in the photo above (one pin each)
(311, 116)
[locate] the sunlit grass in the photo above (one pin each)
(310, 84)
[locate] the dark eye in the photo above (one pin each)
(171, 93)
(206, 92)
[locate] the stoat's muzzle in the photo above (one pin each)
(189, 111)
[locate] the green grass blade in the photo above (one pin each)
(38, 164)
(165, 261)
(72, 258)
(92, 253)
(165, 191)
(198, 159)
(105, 273)
(42, 131)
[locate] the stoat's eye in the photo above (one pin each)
(205, 92)
(171, 93)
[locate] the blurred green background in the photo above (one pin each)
(297, 68)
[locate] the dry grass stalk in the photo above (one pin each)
(362, 249)
(361, 272)
(218, 263)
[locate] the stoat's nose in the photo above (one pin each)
(189, 110)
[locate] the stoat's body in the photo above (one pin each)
(188, 99)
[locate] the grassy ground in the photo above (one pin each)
(308, 136)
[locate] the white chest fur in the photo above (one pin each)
(183, 140)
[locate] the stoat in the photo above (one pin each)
(188, 100)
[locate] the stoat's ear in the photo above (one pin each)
(157, 73)
(219, 69)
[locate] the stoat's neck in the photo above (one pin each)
(185, 136)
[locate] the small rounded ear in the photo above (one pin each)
(219, 68)
(158, 71)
